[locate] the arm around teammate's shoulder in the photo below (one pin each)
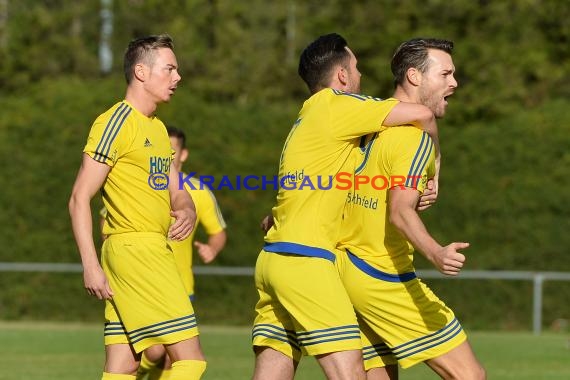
(415, 114)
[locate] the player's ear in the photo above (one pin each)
(342, 75)
(140, 72)
(183, 155)
(414, 76)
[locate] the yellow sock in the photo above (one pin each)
(145, 366)
(187, 370)
(117, 376)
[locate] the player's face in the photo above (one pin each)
(353, 83)
(163, 76)
(437, 82)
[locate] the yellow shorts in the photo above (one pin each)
(302, 308)
(183, 257)
(149, 305)
(401, 319)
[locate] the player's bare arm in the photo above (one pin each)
(403, 215)
(267, 223)
(209, 251)
(414, 114)
(182, 206)
(90, 178)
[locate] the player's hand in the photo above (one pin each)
(184, 223)
(96, 283)
(206, 252)
(429, 196)
(449, 260)
(266, 223)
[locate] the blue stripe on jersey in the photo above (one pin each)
(365, 148)
(111, 129)
(120, 124)
(380, 349)
(376, 273)
(421, 164)
(298, 249)
(119, 109)
(333, 334)
(162, 328)
(420, 160)
(276, 333)
(429, 341)
(357, 96)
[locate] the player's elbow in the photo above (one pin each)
(72, 204)
(75, 202)
(219, 240)
(428, 123)
(399, 215)
(396, 219)
(425, 116)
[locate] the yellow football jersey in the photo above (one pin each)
(208, 214)
(138, 149)
(309, 205)
(396, 157)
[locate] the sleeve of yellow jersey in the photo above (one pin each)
(410, 157)
(106, 141)
(353, 115)
(209, 214)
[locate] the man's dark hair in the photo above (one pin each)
(414, 53)
(143, 50)
(178, 133)
(320, 57)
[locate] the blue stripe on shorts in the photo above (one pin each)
(426, 342)
(276, 333)
(298, 249)
(376, 273)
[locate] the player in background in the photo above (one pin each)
(154, 360)
(303, 308)
(401, 320)
(128, 155)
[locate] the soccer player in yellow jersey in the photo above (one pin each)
(128, 155)
(208, 215)
(154, 361)
(401, 319)
(303, 308)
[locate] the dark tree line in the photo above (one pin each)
(509, 53)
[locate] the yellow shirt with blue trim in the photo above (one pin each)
(208, 215)
(309, 205)
(138, 150)
(394, 158)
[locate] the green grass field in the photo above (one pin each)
(48, 351)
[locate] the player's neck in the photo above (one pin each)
(140, 101)
(405, 95)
